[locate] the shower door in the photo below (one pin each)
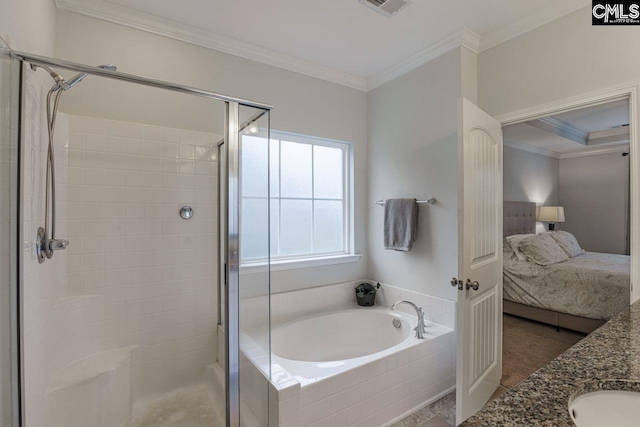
(245, 263)
(123, 325)
(9, 243)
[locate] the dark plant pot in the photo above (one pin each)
(368, 300)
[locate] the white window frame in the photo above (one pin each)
(315, 259)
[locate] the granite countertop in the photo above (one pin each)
(612, 352)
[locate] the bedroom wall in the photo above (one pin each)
(530, 177)
(302, 105)
(413, 152)
(594, 193)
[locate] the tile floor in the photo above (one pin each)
(441, 413)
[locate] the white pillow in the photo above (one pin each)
(514, 241)
(567, 242)
(543, 250)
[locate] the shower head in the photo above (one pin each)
(66, 85)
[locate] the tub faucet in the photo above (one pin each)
(420, 329)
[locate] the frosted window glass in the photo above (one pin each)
(275, 227)
(328, 229)
(254, 229)
(327, 172)
(295, 227)
(296, 169)
(274, 167)
(254, 167)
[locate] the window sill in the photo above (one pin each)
(292, 264)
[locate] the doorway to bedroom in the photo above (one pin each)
(567, 231)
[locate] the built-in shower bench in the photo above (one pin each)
(89, 386)
(94, 391)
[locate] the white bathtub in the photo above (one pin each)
(325, 345)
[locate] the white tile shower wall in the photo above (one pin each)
(42, 283)
(156, 271)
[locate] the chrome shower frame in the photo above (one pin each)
(232, 129)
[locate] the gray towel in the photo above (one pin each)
(400, 224)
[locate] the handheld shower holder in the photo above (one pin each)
(45, 247)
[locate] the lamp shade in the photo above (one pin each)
(551, 214)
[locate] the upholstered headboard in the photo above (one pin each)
(519, 218)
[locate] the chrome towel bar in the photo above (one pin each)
(431, 201)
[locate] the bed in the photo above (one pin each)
(580, 293)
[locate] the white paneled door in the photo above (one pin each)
(479, 327)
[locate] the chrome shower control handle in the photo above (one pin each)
(58, 244)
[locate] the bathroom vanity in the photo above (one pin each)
(606, 360)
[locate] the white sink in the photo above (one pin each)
(606, 408)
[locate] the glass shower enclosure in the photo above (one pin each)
(149, 316)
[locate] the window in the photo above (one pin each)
(308, 182)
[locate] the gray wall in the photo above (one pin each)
(594, 193)
(566, 57)
(413, 139)
(28, 25)
(530, 177)
(302, 105)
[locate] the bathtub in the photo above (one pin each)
(321, 346)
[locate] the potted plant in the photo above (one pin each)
(366, 294)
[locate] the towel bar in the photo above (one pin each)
(431, 201)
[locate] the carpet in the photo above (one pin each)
(528, 345)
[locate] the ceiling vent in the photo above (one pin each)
(386, 7)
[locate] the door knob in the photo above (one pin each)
(455, 282)
(473, 285)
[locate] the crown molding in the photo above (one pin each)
(463, 37)
(597, 151)
(561, 128)
(619, 135)
(531, 149)
(470, 40)
(618, 148)
(152, 24)
(529, 23)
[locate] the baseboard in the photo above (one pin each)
(422, 405)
